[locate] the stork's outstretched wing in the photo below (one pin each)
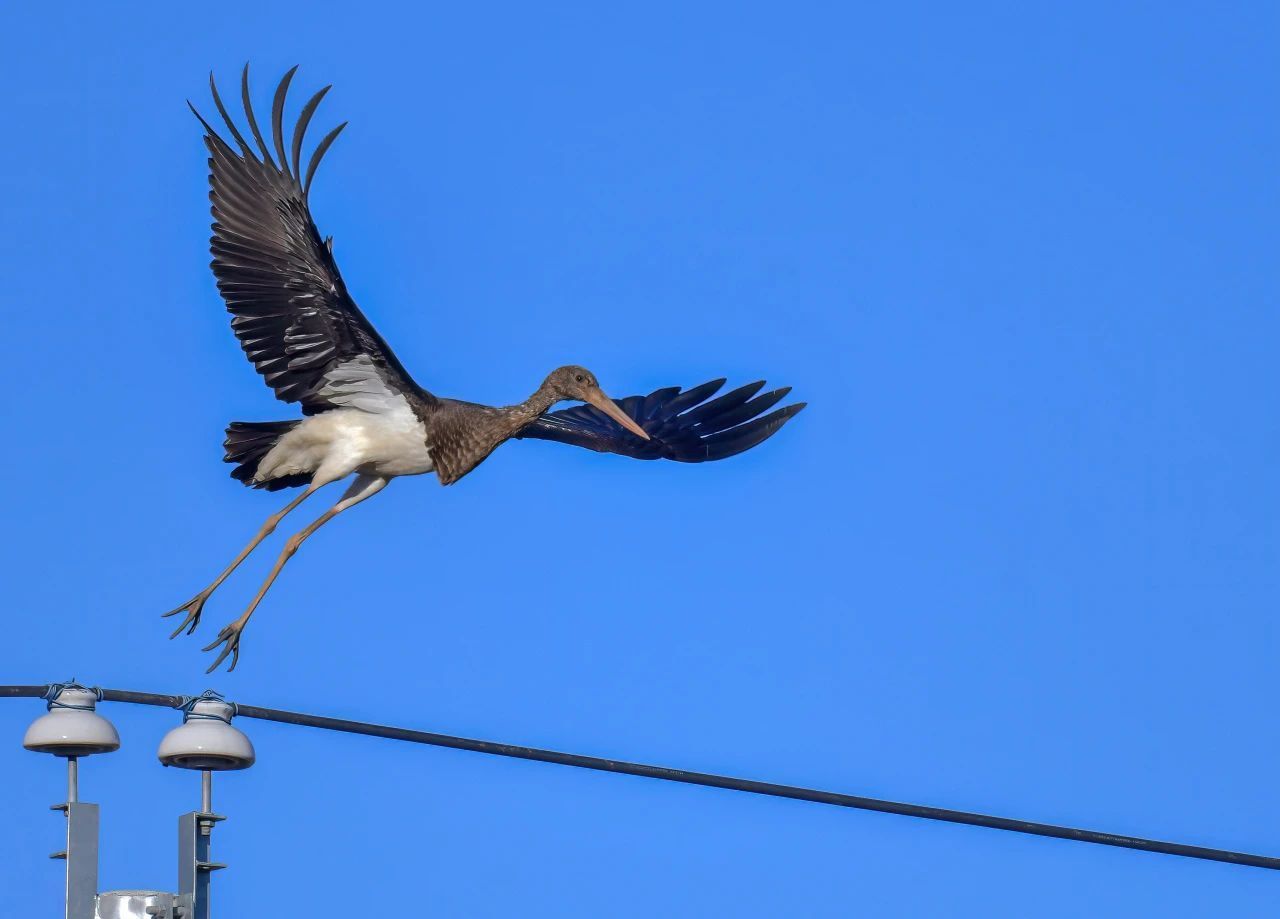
(292, 314)
(681, 426)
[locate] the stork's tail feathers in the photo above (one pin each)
(248, 442)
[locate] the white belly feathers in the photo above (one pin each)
(337, 443)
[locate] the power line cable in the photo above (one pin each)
(691, 778)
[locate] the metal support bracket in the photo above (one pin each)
(194, 866)
(81, 856)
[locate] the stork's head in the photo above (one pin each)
(580, 385)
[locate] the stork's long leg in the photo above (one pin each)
(195, 606)
(364, 486)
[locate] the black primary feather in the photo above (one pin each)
(682, 426)
(277, 117)
(299, 132)
(248, 112)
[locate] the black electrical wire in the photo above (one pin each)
(691, 778)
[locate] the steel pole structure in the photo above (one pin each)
(195, 831)
(81, 853)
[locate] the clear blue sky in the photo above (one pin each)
(1019, 556)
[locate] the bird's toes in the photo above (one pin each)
(229, 638)
(173, 612)
(193, 608)
(222, 636)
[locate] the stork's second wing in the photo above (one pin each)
(681, 426)
(292, 313)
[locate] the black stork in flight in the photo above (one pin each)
(363, 414)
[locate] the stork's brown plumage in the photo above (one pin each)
(364, 416)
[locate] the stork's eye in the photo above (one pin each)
(579, 378)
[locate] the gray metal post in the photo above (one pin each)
(194, 867)
(81, 853)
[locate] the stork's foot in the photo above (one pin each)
(229, 638)
(193, 608)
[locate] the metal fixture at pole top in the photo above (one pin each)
(71, 728)
(205, 742)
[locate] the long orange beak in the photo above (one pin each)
(610, 408)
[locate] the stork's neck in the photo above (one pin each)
(462, 434)
(528, 410)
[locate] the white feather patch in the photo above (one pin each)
(358, 384)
